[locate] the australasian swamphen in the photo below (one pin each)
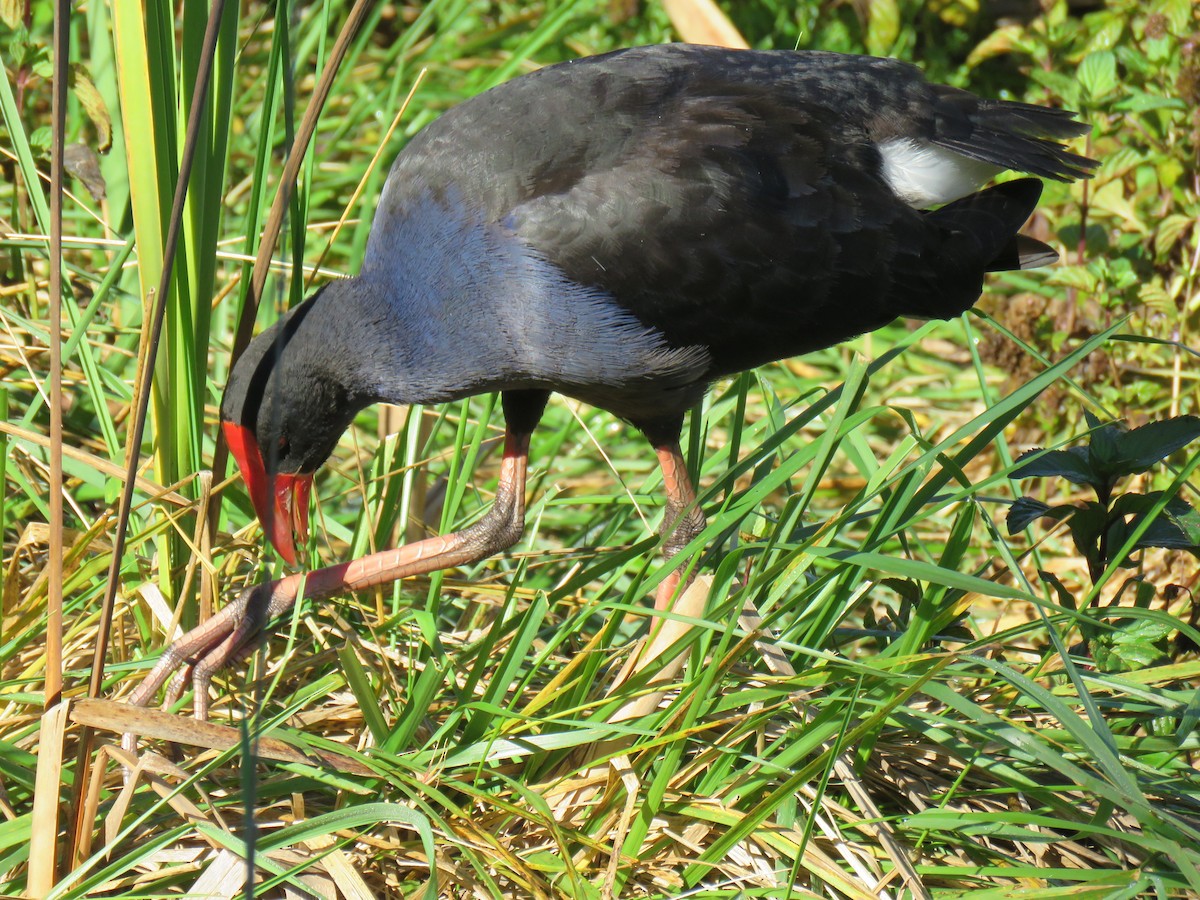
(624, 229)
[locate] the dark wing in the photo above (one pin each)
(730, 210)
(708, 191)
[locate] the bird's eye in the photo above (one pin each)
(282, 447)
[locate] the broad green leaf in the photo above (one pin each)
(1141, 448)
(1135, 503)
(1109, 27)
(1114, 199)
(1083, 278)
(1177, 527)
(1061, 83)
(1186, 519)
(1171, 230)
(1026, 510)
(1141, 101)
(1180, 13)
(1098, 73)
(1072, 464)
(1119, 162)
(1102, 451)
(1134, 645)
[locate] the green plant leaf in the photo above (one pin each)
(1141, 448)
(1177, 527)
(1172, 229)
(1098, 73)
(1140, 102)
(11, 14)
(1134, 503)
(1186, 520)
(1135, 644)
(1072, 464)
(1025, 511)
(1102, 449)
(1109, 28)
(1065, 598)
(1179, 12)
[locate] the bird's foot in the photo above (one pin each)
(203, 651)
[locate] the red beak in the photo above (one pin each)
(281, 502)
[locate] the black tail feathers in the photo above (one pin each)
(983, 228)
(1020, 136)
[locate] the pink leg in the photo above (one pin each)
(219, 641)
(682, 519)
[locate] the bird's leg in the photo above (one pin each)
(682, 519)
(222, 638)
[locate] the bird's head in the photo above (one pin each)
(283, 411)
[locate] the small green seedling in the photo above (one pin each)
(1102, 526)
